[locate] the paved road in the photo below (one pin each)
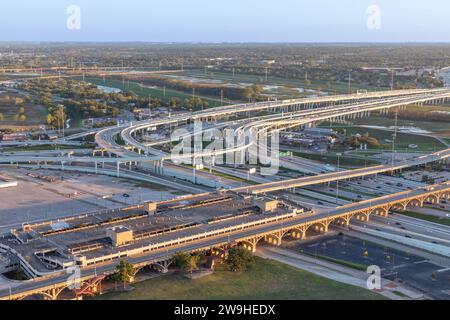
(330, 270)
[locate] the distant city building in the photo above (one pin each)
(319, 132)
(13, 137)
(142, 114)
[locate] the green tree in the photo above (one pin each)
(22, 118)
(248, 93)
(239, 259)
(18, 101)
(124, 272)
(49, 119)
(180, 259)
(193, 263)
(174, 102)
(186, 261)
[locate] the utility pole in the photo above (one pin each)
(394, 137)
(337, 181)
(349, 81)
(392, 79)
(149, 106)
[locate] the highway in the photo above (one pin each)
(343, 175)
(293, 113)
(221, 238)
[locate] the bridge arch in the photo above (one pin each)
(318, 227)
(433, 198)
(445, 195)
(399, 206)
(273, 239)
(342, 221)
(361, 216)
(380, 211)
(250, 244)
(415, 203)
(297, 233)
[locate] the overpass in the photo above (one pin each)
(297, 116)
(270, 229)
(29, 143)
(343, 175)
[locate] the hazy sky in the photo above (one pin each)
(228, 20)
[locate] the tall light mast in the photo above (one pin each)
(394, 137)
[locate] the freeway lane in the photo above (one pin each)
(256, 189)
(105, 139)
(342, 175)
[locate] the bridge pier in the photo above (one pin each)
(344, 222)
(320, 228)
(272, 239)
(250, 245)
(362, 217)
(218, 252)
(298, 234)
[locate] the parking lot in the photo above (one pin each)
(413, 271)
(45, 194)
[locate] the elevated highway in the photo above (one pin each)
(343, 175)
(271, 230)
(105, 138)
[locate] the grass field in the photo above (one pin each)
(266, 280)
(331, 158)
(35, 114)
(424, 142)
(439, 128)
(146, 91)
(332, 87)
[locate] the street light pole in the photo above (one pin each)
(337, 181)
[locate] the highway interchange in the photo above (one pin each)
(282, 115)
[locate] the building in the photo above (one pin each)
(319, 132)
